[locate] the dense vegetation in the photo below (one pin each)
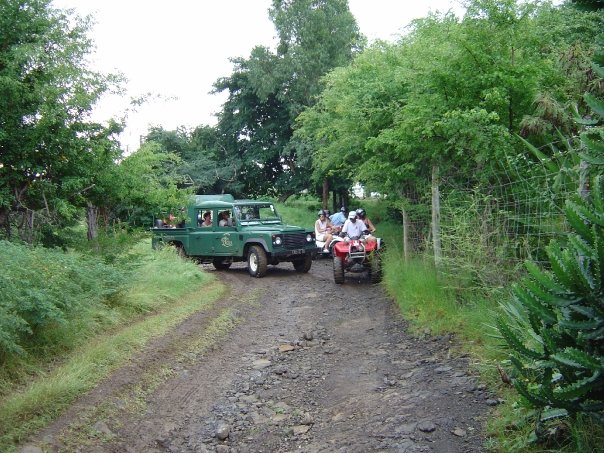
(473, 131)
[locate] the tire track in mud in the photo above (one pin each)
(308, 366)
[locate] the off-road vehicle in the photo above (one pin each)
(238, 230)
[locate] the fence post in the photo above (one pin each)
(405, 235)
(436, 216)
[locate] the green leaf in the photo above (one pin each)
(544, 279)
(551, 414)
(559, 264)
(514, 343)
(548, 297)
(577, 389)
(579, 359)
(580, 325)
(533, 304)
(597, 105)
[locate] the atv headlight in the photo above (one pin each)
(277, 240)
(310, 237)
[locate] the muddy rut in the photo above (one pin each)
(306, 366)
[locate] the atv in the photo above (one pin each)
(357, 255)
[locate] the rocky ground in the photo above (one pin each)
(308, 366)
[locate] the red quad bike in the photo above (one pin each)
(357, 255)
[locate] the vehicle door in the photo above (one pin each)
(202, 235)
(226, 237)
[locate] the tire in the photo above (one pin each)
(303, 265)
(338, 270)
(180, 250)
(376, 268)
(221, 264)
(257, 263)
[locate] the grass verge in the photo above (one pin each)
(431, 308)
(163, 291)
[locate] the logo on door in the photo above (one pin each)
(226, 240)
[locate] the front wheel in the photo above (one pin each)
(304, 264)
(338, 270)
(376, 267)
(257, 263)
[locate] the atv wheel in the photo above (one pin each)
(376, 268)
(304, 264)
(221, 264)
(338, 270)
(256, 261)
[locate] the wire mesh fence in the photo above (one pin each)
(488, 231)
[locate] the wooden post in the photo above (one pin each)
(436, 216)
(405, 235)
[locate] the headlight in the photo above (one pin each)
(309, 237)
(277, 240)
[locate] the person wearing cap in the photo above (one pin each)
(323, 230)
(338, 218)
(353, 227)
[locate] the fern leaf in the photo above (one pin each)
(579, 359)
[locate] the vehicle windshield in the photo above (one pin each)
(257, 214)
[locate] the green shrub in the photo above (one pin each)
(44, 289)
(554, 327)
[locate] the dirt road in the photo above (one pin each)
(308, 366)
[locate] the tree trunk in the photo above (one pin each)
(283, 197)
(436, 217)
(5, 222)
(325, 193)
(92, 213)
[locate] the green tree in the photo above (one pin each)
(46, 94)
(268, 90)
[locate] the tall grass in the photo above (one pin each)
(158, 290)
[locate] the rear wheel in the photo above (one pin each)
(257, 263)
(303, 265)
(221, 263)
(376, 267)
(338, 270)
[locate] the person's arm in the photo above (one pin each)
(370, 226)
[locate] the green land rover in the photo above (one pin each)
(221, 230)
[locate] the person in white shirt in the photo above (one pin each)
(352, 227)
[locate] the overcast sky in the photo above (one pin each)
(177, 49)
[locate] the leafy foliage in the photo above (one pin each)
(555, 326)
(43, 291)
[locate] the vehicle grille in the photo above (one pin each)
(294, 240)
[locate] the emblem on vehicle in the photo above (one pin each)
(226, 240)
